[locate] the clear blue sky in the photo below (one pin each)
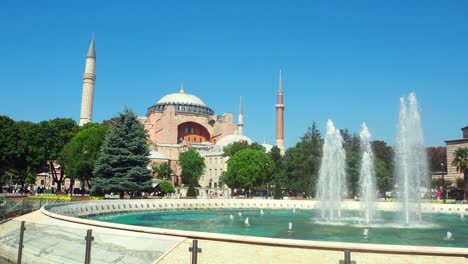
(348, 61)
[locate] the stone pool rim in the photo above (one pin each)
(70, 212)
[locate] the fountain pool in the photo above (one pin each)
(308, 225)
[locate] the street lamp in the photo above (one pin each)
(444, 194)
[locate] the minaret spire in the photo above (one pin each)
(89, 77)
(240, 125)
(182, 88)
(280, 82)
(280, 115)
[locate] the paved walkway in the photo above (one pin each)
(47, 240)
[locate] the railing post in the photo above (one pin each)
(89, 238)
(195, 250)
(347, 258)
(21, 238)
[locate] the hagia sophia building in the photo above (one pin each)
(182, 120)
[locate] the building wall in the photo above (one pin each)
(452, 173)
(215, 165)
(162, 126)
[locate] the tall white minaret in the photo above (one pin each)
(240, 124)
(89, 77)
(280, 116)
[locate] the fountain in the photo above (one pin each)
(240, 214)
(331, 183)
(231, 217)
(246, 222)
(290, 228)
(365, 233)
(449, 236)
(261, 212)
(367, 177)
(410, 160)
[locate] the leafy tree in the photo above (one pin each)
(231, 149)
(80, 154)
(124, 157)
(353, 164)
(164, 171)
(385, 153)
(383, 175)
(302, 162)
(248, 169)
(278, 195)
(55, 134)
(166, 187)
(277, 177)
(460, 161)
(437, 159)
(8, 136)
(192, 165)
(27, 159)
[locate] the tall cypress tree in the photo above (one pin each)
(122, 165)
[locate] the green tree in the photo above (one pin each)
(192, 165)
(166, 187)
(80, 154)
(460, 161)
(231, 149)
(277, 177)
(437, 159)
(164, 171)
(248, 169)
(27, 158)
(122, 165)
(353, 165)
(383, 175)
(55, 134)
(8, 136)
(385, 153)
(302, 163)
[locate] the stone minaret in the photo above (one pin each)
(280, 116)
(89, 77)
(240, 125)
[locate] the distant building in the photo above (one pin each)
(453, 145)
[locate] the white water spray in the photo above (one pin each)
(367, 177)
(410, 160)
(332, 175)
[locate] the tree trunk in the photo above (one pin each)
(465, 178)
(55, 178)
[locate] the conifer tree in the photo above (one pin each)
(122, 165)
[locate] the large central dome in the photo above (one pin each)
(183, 102)
(181, 98)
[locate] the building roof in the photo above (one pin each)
(183, 102)
(181, 98)
(157, 155)
(91, 50)
(455, 141)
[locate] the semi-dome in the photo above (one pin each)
(227, 140)
(183, 102)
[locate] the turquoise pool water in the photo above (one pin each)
(306, 225)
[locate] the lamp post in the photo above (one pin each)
(444, 194)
